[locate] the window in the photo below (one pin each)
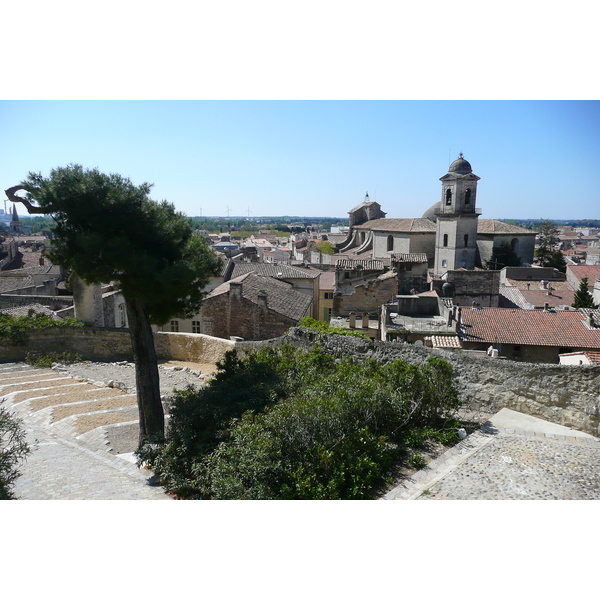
(390, 243)
(122, 319)
(466, 240)
(196, 327)
(444, 263)
(467, 197)
(175, 326)
(448, 197)
(326, 314)
(445, 240)
(328, 296)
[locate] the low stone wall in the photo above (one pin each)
(110, 345)
(191, 347)
(563, 394)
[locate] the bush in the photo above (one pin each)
(13, 449)
(287, 424)
(37, 359)
(322, 327)
(16, 329)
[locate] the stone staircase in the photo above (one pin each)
(71, 408)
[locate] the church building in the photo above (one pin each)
(450, 233)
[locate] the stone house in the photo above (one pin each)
(537, 336)
(252, 307)
(326, 292)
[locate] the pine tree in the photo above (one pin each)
(583, 299)
(109, 230)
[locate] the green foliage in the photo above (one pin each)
(325, 247)
(13, 450)
(416, 461)
(546, 254)
(322, 327)
(108, 229)
(583, 298)
(287, 424)
(37, 359)
(16, 329)
(503, 256)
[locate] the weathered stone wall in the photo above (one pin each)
(367, 296)
(563, 394)
(109, 345)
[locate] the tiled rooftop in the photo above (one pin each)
(404, 225)
(592, 272)
(23, 311)
(271, 270)
(563, 328)
(444, 341)
(412, 257)
(327, 280)
(281, 297)
(494, 226)
(556, 298)
(364, 265)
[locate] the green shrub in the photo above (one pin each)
(322, 327)
(37, 359)
(288, 424)
(16, 329)
(13, 449)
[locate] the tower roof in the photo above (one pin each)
(460, 166)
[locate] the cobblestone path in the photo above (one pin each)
(68, 423)
(509, 464)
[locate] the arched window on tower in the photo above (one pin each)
(468, 197)
(466, 240)
(448, 197)
(514, 245)
(390, 243)
(445, 240)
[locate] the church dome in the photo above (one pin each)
(460, 166)
(431, 212)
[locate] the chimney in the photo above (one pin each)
(41, 261)
(546, 307)
(544, 284)
(365, 320)
(235, 289)
(352, 320)
(262, 299)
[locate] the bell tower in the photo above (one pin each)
(456, 216)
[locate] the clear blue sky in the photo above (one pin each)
(536, 159)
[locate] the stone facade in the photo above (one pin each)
(365, 295)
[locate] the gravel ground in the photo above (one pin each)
(172, 374)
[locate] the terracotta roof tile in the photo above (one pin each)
(400, 225)
(592, 272)
(529, 327)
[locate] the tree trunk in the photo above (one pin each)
(152, 418)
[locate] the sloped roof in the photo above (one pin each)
(327, 280)
(281, 297)
(444, 341)
(492, 226)
(511, 297)
(412, 257)
(399, 225)
(364, 265)
(556, 297)
(560, 328)
(271, 270)
(592, 272)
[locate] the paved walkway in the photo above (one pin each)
(513, 457)
(66, 421)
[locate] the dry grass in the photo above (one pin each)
(67, 410)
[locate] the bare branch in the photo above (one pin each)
(10, 194)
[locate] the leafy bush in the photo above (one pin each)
(37, 359)
(13, 449)
(322, 327)
(16, 329)
(288, 424)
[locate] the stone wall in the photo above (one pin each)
(367, 296)
(54, 302)
(563, 394)
(109, 345)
